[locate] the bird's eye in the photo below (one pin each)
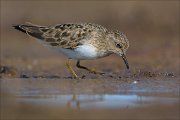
(118, 45)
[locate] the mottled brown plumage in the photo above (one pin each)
(79, 41)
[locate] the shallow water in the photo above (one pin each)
(96, 101)
(66, 99)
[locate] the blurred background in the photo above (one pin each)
(152, 27)
(39, 78)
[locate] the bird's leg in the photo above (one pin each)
(71, 70)
(90, 70)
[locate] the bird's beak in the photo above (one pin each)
(125, 60)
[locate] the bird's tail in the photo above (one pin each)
(33, 30)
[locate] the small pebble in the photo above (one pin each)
(135, 82)
(24, 76)
(170, 74)
(8, 71)
(83, 76)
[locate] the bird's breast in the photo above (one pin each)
(81, 52)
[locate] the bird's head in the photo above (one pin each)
(119, 45)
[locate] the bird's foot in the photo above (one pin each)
(95, 72)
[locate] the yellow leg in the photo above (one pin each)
(71, 70)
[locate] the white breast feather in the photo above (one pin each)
(81, 52)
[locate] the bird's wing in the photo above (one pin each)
(64, 35)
